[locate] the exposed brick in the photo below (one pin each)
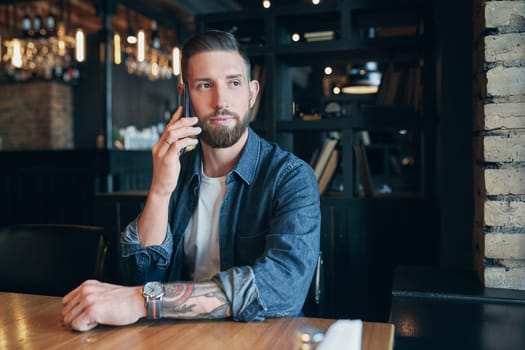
(508, 48)
(504, 115)
(503, 81)
(505, 181)
(505, 245)
(501, 277)
(36, 115)
(60, 113)
(507, 16)
(504, 148)
(508, 213)
(499, 123)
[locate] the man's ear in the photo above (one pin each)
(254, 91)
(180, 89)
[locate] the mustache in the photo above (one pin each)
(223, 111)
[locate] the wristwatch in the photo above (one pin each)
(153, 293)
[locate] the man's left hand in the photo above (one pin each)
(93, 303)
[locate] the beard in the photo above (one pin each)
(223, 136)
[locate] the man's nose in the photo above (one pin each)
(221, 97)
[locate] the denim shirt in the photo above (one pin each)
(269, 232)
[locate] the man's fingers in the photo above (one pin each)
(83, 322)
(182, 144)
(176, 116)
(177, 138)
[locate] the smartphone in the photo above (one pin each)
(186, 105)
(186, 102)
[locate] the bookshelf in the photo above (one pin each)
(296, 94)
(388, 136)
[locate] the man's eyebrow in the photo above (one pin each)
(233, 76)
(230, 76)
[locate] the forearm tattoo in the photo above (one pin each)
(195, 300)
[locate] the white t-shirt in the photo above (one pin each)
(201, 239)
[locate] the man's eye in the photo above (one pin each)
(236, 83)
(204, 85)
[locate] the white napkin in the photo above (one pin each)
(343, 334)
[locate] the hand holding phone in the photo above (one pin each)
(187, 110)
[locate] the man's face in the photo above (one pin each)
(221, 96)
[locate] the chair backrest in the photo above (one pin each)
(314, 303)
(49, 259)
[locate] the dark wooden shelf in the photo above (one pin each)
(372, 118)
(349, 46)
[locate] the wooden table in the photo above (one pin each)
(33, 322)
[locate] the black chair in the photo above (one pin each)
(49, 259)
(314, 303)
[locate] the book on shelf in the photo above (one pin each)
(324, 156)
(381, 93)
(314, 158)
(393, 88)
(304, 116)
(400, 86)
(328, 171)
(258, 74)
(319, 35)
(364, 171)
(397, 31)
(417, 91)
(407, 92)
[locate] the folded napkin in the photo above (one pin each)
(343, 334)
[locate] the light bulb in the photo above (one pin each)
(80, 48)
(16, 59)
(116, 49)
(141, 46)
(176, 60)
(131, 39)
(61, 47)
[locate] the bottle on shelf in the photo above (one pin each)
(51, 29)
(100, 140)
(27, 30)
(37, 24)
(155, 39)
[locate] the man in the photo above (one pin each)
(230, 229)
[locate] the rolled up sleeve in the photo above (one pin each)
(238, 284)
(141, 264)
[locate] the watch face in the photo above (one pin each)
(153, 289)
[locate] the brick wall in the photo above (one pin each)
(36, 115)
(499, 142)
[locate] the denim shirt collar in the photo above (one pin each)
(246, 167)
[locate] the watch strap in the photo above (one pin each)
(154, 308)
